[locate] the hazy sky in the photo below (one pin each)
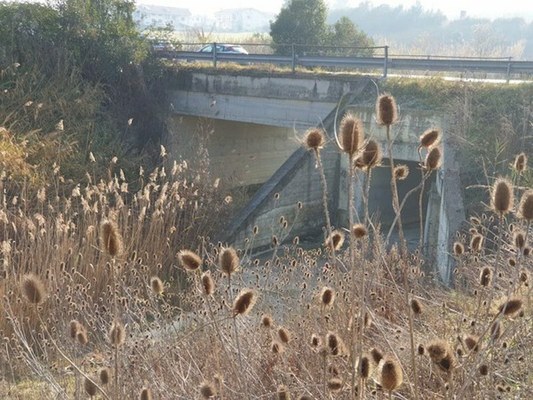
(452, 8)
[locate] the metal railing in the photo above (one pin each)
(370, 59)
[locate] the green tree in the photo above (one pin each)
(301, 22)
(344, 33)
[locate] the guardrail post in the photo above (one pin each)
(293, 64)
(386, 62)
(509, 69)
(215, 54)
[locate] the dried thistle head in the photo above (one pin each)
(525, 208)
(228, 260)
(208, 284)
(391, 375)
(401, 172)
(315, 341)
(359, 231)
(33, 289)
(189, 260)
(327, 296)
(430, 138)
(351, 134)
(520, 162)
(157, 285)
(471, 342)
(314, 139)
(244, 302)
(111, 240)
(386, 110)
(335, 240)
(433, 159)
(372, 155)
(502, 196)
(117, 334)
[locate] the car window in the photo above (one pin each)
(207, 49)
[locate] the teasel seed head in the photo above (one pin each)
(277, 347)
(90, 387)
(207, 390)
(386, 110)
(33, 289)
(335, 344)
(485, 277)
(208, 284)
(401, 172)
(81, 336)
(110, 238)
(364, 367)
(520, 162)
(266, 321)
(315, 341)
(421, 349)
(74, 327)
(189, 260)
(284, 335)
(105, 375)
(376, 355)
(314, 139)
(391, 375)
(476, 243)
(327, 296)
(244, 302)
(471, 342)
(525, 208)
(511, 307)
(430, 138)
(283, 393)
(228, 260)
(437, 350)
(359, 231)
(335, 240)
(117, 334)
(335, 384)
(483, 369)
(433, 159)
(523, 277)
(416, 307)
(371, 156)
(458, 248)
(157, 285)
(519, 239)
(502, 196)
(146, 394)
(495, 330)
(351, 134)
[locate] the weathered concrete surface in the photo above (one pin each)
(271, 109)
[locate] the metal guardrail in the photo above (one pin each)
(504, 66)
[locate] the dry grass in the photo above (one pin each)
(183, 342)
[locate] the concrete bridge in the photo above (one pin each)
(253, 124)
